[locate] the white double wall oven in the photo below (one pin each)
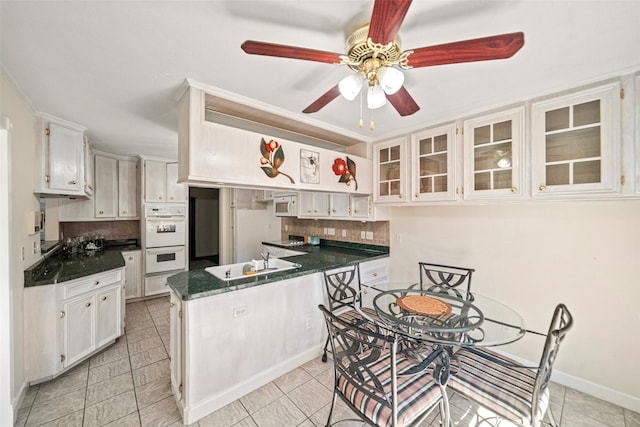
(164, 245)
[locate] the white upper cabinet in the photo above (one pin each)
(161, 182)
(339, 205)
(313, 205)
(60, 168)
(175, 192)
(493, 155)
(575, 143)
(127, 188)
(106, 181)
(433, 155)
(115, 193)
(155, 181)
(390, 171)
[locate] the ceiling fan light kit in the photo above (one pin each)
(350, 86)
(373, 53)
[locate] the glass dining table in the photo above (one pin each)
(441, 318)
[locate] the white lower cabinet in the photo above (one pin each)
(156, 284)
(374, 273)
(68, 322)
(175, 343)
(132, 274)
(78, 329)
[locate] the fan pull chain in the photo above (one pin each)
(372, 126)
(361, 124)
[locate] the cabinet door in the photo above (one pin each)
(575, 143)
(88, 168)
(78, 329)
(133, 274)
(106, 192)
(127, 189)
(493, 155)
(433, 154)
(360, 206)
(66, 156)
(390, 171)
(175, 192)
(313, 205)
(155, 181)
(108, 315)
(175, 344)
(339, 205)
(76, 209)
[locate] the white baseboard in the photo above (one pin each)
(193, 413)
(596, 390)
(17, 401)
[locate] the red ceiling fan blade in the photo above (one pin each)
(386, 19)
(403, 102)
(483, 49)
(319, 103)
(270, 49)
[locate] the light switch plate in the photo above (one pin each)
(362, 235)
(369, 235)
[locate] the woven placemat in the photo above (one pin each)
(421, 304)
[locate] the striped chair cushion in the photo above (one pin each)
(417, 394)
(505, 390)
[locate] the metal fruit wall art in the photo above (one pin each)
(346, 170)
(272, 158)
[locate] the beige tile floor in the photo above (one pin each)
(128, 384)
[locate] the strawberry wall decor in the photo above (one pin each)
(272, 158)
(346, 170)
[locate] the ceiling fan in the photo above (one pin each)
(373, 53)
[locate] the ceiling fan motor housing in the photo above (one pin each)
(367, 57)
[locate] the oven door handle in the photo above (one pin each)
(166, 251)
(163, 219)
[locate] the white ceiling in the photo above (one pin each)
(115, 66)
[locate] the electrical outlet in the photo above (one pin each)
(369, 235)
(286, 227)
(35, 247)
(308, 324)
(240, 311)
(344, 233)
(363, 235)
(22, 253)
(325, 230)
(398, 238)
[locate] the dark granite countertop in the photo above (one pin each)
(194, 284)
(58, 267)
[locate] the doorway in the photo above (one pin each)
(204, 227)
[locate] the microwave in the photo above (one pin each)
(285, 205)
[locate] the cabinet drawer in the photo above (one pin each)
(375, 270)
(90, 283)
(155, 285)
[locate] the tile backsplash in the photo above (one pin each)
(111, 230)
(379, 230)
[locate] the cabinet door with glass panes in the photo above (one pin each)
(433, 164)
(390, 171)
(493, 147)
(575, 142)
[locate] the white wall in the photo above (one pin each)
(533, 256)
(255, 222)
(22, 200)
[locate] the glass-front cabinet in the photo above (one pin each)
(575, 142)
(493, 147)
(390, 173)
(433, 164)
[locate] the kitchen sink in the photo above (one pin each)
(236, 271)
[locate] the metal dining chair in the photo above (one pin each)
(377, 382)
(505, 387)
(344, 292)
(448, 279)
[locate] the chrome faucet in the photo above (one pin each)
(265, 258)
